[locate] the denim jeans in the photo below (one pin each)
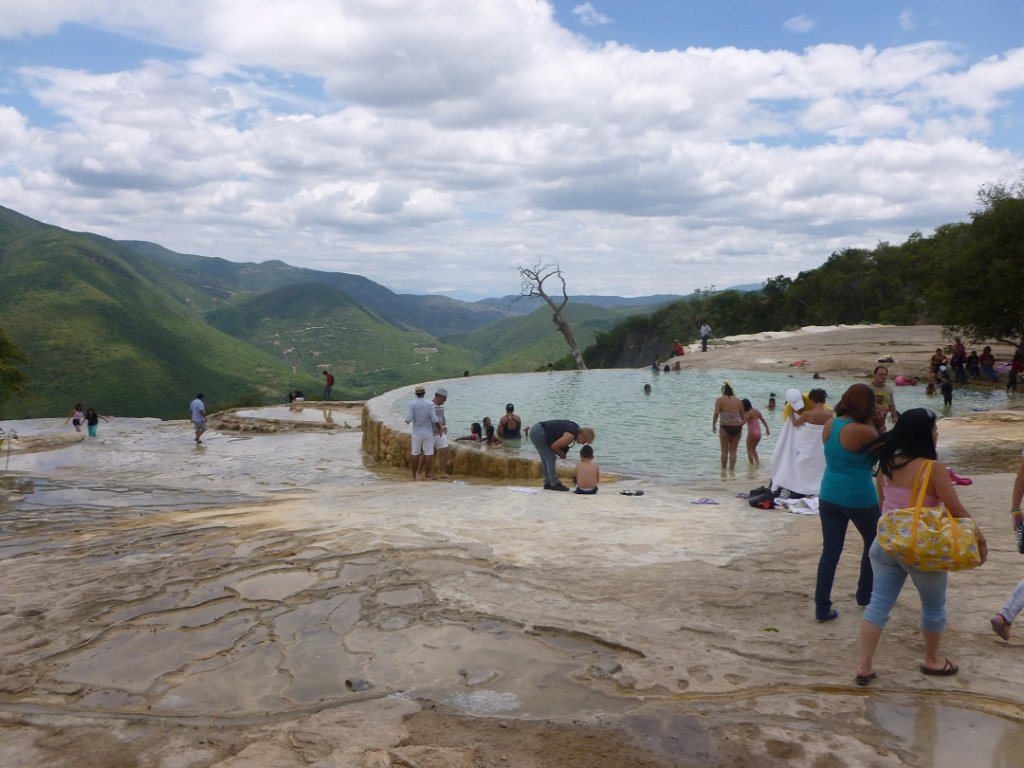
(1014, 604)
(890, 575)
(835, 519)
(547, 456)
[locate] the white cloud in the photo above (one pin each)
(589, 16)
(799, 24)
(474, 136)
(907, 23)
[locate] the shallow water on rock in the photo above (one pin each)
(666, 434)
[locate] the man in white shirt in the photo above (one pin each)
(441, 431)
(423, 417)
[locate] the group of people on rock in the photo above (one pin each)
(870, 469)
(962, 367)
(90, 418)
(551, 438)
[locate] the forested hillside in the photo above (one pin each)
(968, 277)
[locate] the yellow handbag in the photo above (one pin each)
(929, 538)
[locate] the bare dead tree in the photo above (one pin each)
(533, 280)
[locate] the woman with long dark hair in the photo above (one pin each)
(847, 494)
(902, 452)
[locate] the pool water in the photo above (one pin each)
(666, 434)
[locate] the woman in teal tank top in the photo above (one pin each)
(847, 494)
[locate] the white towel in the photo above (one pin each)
(523, 489)
(808, 505)
(798, 461)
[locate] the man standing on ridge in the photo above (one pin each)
(705, 332)
(328, 384)
(423, 417)
(197, 411)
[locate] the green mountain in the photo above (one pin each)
(134, 329)
(525, 305)
(314, 326)
(528, 343)
(220, 279)
(106, 327)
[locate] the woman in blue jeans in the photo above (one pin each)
(847, 494)
(1001, 621)
(902, 453)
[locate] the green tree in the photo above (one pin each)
(982, 280)
(12, 380)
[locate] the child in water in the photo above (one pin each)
(947, 390)
(474, 433)
(771, 402)
(588, 473)
(489, 437)
(753, 418)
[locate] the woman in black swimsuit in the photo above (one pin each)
(728, 415)
(510, 425)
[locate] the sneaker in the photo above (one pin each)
(547, 486)
(558, 487)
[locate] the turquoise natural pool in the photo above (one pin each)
(664, 435)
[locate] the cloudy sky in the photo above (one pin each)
(646, 146)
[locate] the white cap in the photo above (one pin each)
(795, 399)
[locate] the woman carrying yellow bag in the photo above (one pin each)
(902, 453)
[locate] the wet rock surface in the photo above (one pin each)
(271, 602)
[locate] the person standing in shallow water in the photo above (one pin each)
(753, 418)
(92, 421)
(76, 417)
(728, 409)
(328, 384)
(552, 439)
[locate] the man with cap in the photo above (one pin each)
(441, 432)
(422, 416)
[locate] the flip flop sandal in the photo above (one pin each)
(865, 679)
(948, 669)
(705, 500)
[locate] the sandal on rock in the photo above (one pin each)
(1000, 626)
(946, 670)
(865, 679)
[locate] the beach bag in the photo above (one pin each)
(929, 538)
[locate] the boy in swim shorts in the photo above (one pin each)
(588, 473)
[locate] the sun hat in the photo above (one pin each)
(420, 388)
(794, 398)
(441, 391)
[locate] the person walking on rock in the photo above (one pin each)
(197, 412)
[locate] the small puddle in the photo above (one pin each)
(931, 735)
